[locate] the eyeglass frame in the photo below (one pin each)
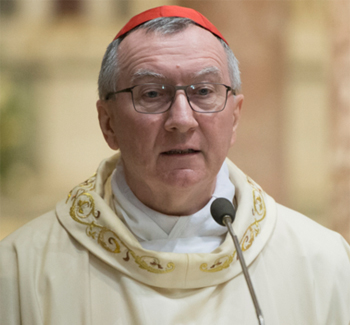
(129, 90)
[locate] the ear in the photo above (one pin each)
(105, 119)
(238, 102)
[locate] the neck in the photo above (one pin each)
(173, 201)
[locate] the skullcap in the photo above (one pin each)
(170, 11)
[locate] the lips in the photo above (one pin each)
(180, 152)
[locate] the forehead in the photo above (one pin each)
(189, 54)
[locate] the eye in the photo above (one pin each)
(150, 92)
(203, 90)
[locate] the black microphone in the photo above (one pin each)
(220, 208)
(223, 212)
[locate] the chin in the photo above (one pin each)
(184, 178)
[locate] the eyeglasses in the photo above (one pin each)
(153, 98)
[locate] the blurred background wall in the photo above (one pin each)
(294, 137)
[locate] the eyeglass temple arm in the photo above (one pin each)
(127, 90)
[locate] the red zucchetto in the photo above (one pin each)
(170, 11)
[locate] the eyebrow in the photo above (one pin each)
(143, 73)
(212, 70)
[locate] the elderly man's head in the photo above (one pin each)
(172, 111)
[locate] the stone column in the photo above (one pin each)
(340, 106)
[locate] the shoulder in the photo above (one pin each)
(42, 244)
(37, 238)
(35, 232)
(300, 225)
(305, 237)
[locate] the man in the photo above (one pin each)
(135, 243)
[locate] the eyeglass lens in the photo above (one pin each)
(157, 98)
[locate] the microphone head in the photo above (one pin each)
(220, 208)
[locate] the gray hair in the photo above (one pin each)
(109, 72)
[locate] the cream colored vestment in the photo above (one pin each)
(80, 264)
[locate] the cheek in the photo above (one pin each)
(226, 139)
(222, 129)
(137, 133)
(217, 133)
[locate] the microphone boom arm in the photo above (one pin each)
(227, 221)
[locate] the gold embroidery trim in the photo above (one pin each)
(88, 185)
(259, 210)
(83, 211)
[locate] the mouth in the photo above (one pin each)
(180, 152)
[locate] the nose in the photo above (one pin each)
(180, 117)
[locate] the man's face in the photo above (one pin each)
(180, 148)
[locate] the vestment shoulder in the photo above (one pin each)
(35, 231)
(311, 238)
